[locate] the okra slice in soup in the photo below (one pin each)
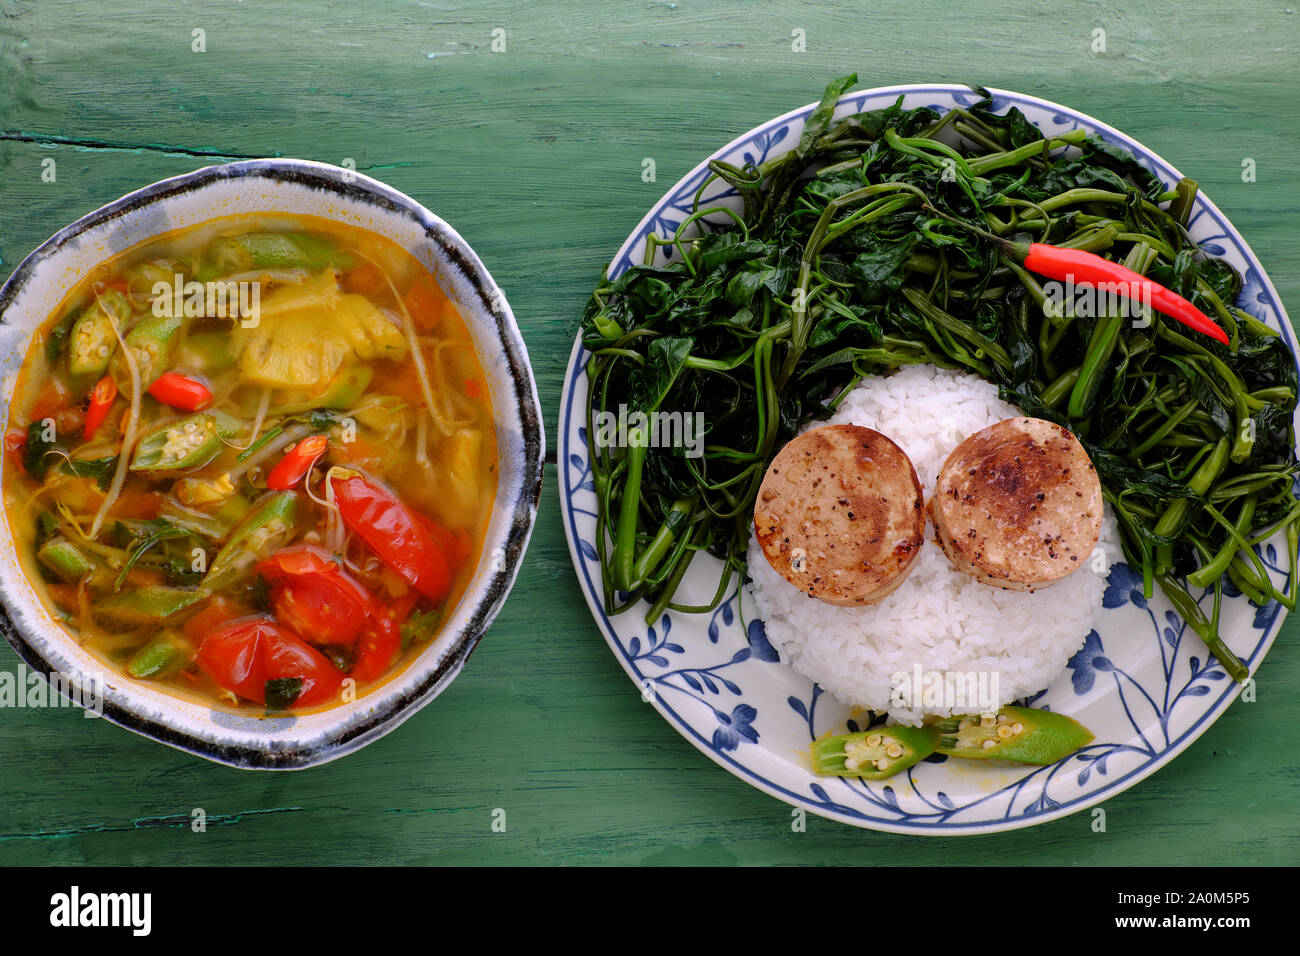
(873, 754)
(342, 392)
(151, 342)
(1022, 734)
(159, 658)
(265, 527)
(152, 604)
(268, 250)
(208, 352)
(65, 560)
(93, 339)
(185, 443)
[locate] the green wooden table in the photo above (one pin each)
(533, 149)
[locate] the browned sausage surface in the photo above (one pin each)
(1018, 505)
(840, 515)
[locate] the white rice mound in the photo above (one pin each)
(939, 619)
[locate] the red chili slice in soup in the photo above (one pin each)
(293, 467)
(253, 656)
(181, 391)
(15, 441)
(392, 530)
(102, 397)
(315, 597)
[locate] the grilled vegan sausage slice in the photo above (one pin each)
(840, 514)
(1018, 505)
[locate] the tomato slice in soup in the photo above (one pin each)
(247, 654)
(381, 643)
(315, 597)
(393, 531)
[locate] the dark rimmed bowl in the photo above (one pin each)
(279, 186)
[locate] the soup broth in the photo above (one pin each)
(253, 462)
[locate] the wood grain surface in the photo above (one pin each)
(535, 154)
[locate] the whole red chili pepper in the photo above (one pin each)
(1087, 268)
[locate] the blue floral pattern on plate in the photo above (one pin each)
(1142, 681)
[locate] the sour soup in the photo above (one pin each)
(253, 462)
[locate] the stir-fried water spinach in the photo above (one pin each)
(880, 240)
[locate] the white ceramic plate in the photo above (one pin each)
(1144, 683)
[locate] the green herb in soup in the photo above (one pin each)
(253, 462)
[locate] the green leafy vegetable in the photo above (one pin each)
(420, 626)
(877, 242)
(160, 531)
(101, 469)
(281, 692)
(40, 453)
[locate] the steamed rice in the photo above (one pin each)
(939, 622)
